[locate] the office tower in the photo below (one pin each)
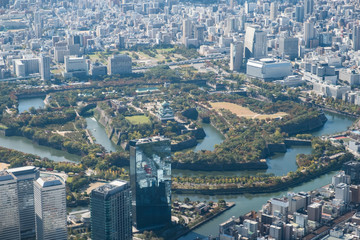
(45, 67)
(255, 42)
(199, 33)
(242, 21)
(230, 25)
(340, 177)
(342, 192)
(232, 3)
(121, 42)
(50, 208)
(288, 231)
(119, 64)
(25, 181)
(111, 211)
(309, 33)
(299, 13)
(236, 55)
(314, 212)
(352, 168)
(150, 178)
(308, 7)
(355, 193)
(187, 30)
(289, 47)
(275, 232)
(356, 38)
(273, 11)
(37, 24)
(9, 208)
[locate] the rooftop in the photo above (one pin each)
(22, 170)
(112, 187)
(4, 176)
(49, 181)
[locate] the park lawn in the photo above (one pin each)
(139, 119)
(241, 111)
(69, 179)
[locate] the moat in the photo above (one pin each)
(279, 164)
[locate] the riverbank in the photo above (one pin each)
(276, 183)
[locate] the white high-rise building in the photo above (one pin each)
(255, 42)
(309, 33)
(236, 55)
(25, 181)
(187, 30)
(45, 67)
(273, 11)
(50, 208)
(9, 207)
(342, 192)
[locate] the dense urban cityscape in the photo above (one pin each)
(179, 119)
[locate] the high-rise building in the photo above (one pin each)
(187, 30)
(255, 42)
(342, 192)
(9, 208)
(309, 33)
(111, 211)
(232, 3)
(199, 33)
(352, 168)
(314, 212)
(299, 13)
(340, 177)
(121, 42)
(273, 11)
(119, 64)
(150, 178)
(236, 55)
(25, 181)
(289, 47)
(356, 38)
(45, 67)
(308, 7)
(50, 208)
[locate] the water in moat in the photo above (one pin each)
(279, 164)
(26, 103)
(98, 131)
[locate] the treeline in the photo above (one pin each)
(322, 160)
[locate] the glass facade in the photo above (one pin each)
(150, 178)
(50, 209)
(25, 180)
(111, 212)
(9, 211)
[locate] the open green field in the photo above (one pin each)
(139, 119)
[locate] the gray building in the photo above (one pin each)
(9, 210)
(236, 56)
(119, 64)
(255, 42)
(150, 178)
(289, 47)
(45, 67)
(111, 211)
(356, 38)
(50, 208)
(25, 181)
